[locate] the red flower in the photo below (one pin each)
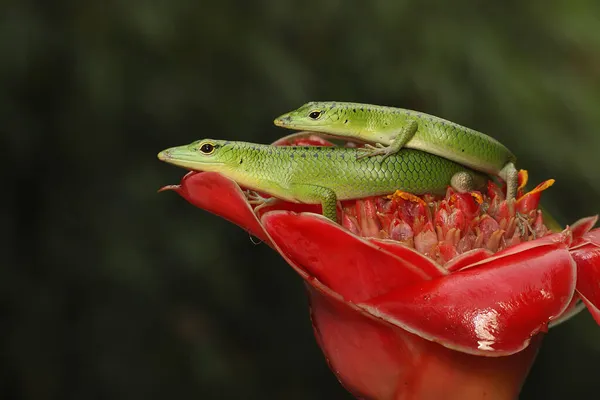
(424, 297)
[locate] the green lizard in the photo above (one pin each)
(394, 128)
(322, 175)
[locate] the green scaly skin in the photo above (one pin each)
(394, 128)
(322, 175)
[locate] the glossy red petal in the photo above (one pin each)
(351, 266)
(574, 308)
(561, 238)
(419, 261)
(368, 357)
(587, 258)
(219, 195)
(491, 309)
(467, 259)
(375, 360)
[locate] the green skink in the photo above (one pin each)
(323, 175)
(394, 128)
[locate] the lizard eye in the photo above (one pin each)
(316, 114)
(207, 148)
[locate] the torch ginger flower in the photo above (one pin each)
(424, 297)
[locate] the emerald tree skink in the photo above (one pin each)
(323, 175)
(394, 128)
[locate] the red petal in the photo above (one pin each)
(411, 256)
(494, 191)
(399, 230)
(563, 238)
(466, 203)
(221, 196)
(583, 226)
(492, 309)
(368, 357)
(448, 220)
(488, 226)
(587, 257)
(366, 214)
(295, 207)
(302, 139)
(375, 360)
(349, 265)
(574, 308)
(426, 240)
(530, 200)
(466, 259)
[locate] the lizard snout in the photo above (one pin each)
(283, 120)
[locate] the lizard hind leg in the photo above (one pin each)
(465, 181)
(510, 175)
(404, 136)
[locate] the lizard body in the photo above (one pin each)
(323, 175)
(394, 128)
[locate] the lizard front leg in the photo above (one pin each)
(259, 201)
(398, 142)
(314, 194)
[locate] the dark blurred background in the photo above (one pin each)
(109, 290)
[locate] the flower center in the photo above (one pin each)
(444, 227)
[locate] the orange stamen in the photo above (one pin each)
(399, 194)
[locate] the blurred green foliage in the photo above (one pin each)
(109, 290)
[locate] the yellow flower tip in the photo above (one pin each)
(477, 196)
(543, 186)
(538, 189)
(548, 183)
(523, 178)
(399, 194)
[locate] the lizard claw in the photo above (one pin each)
(377, 150)
(256, 199)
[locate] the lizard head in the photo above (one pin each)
(201, 155)
(317, 116)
